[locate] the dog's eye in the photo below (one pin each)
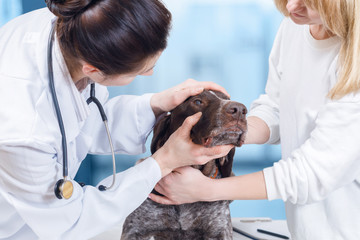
(198, 102)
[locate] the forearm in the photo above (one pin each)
(258, 131)
(245, 187)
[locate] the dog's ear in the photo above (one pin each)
(160, 132)
(225, 164)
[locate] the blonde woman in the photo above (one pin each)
(311, 106)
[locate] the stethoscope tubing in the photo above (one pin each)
(56, 103)
(92, 98)
(113, 159)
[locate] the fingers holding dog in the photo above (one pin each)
(179, 150)
(201, 154)
(183, 185)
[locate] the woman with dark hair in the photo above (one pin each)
(46, 86)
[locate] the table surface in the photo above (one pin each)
(250, 225)
(247, 225)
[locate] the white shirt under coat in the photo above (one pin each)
(319, 174)
(30, 142)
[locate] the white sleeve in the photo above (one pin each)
(130, 120)
(328, 160)
(266, 107)
(27, 183)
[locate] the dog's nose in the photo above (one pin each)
(237, 110)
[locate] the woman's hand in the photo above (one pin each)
(169, 99)
(179, 150)
(183, 185)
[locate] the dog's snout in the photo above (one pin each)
(236, 109)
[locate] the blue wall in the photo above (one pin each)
(29, 5)
(9, 9)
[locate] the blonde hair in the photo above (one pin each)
(342, 18)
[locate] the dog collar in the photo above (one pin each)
(215, 174)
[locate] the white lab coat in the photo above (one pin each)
(30, 142)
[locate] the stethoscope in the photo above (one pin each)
(64, 187)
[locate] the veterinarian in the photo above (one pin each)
(72, 44)
(311, 106)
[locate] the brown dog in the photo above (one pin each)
(222, 122)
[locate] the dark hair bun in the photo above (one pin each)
(68, 8)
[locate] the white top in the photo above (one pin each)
(30, 142)
(319, 173)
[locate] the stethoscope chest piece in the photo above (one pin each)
(64, 189)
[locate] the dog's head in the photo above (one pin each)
(222, 122)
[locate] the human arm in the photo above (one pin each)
(27, 184)
(187, 185)
(258, 131)
(327, 161)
